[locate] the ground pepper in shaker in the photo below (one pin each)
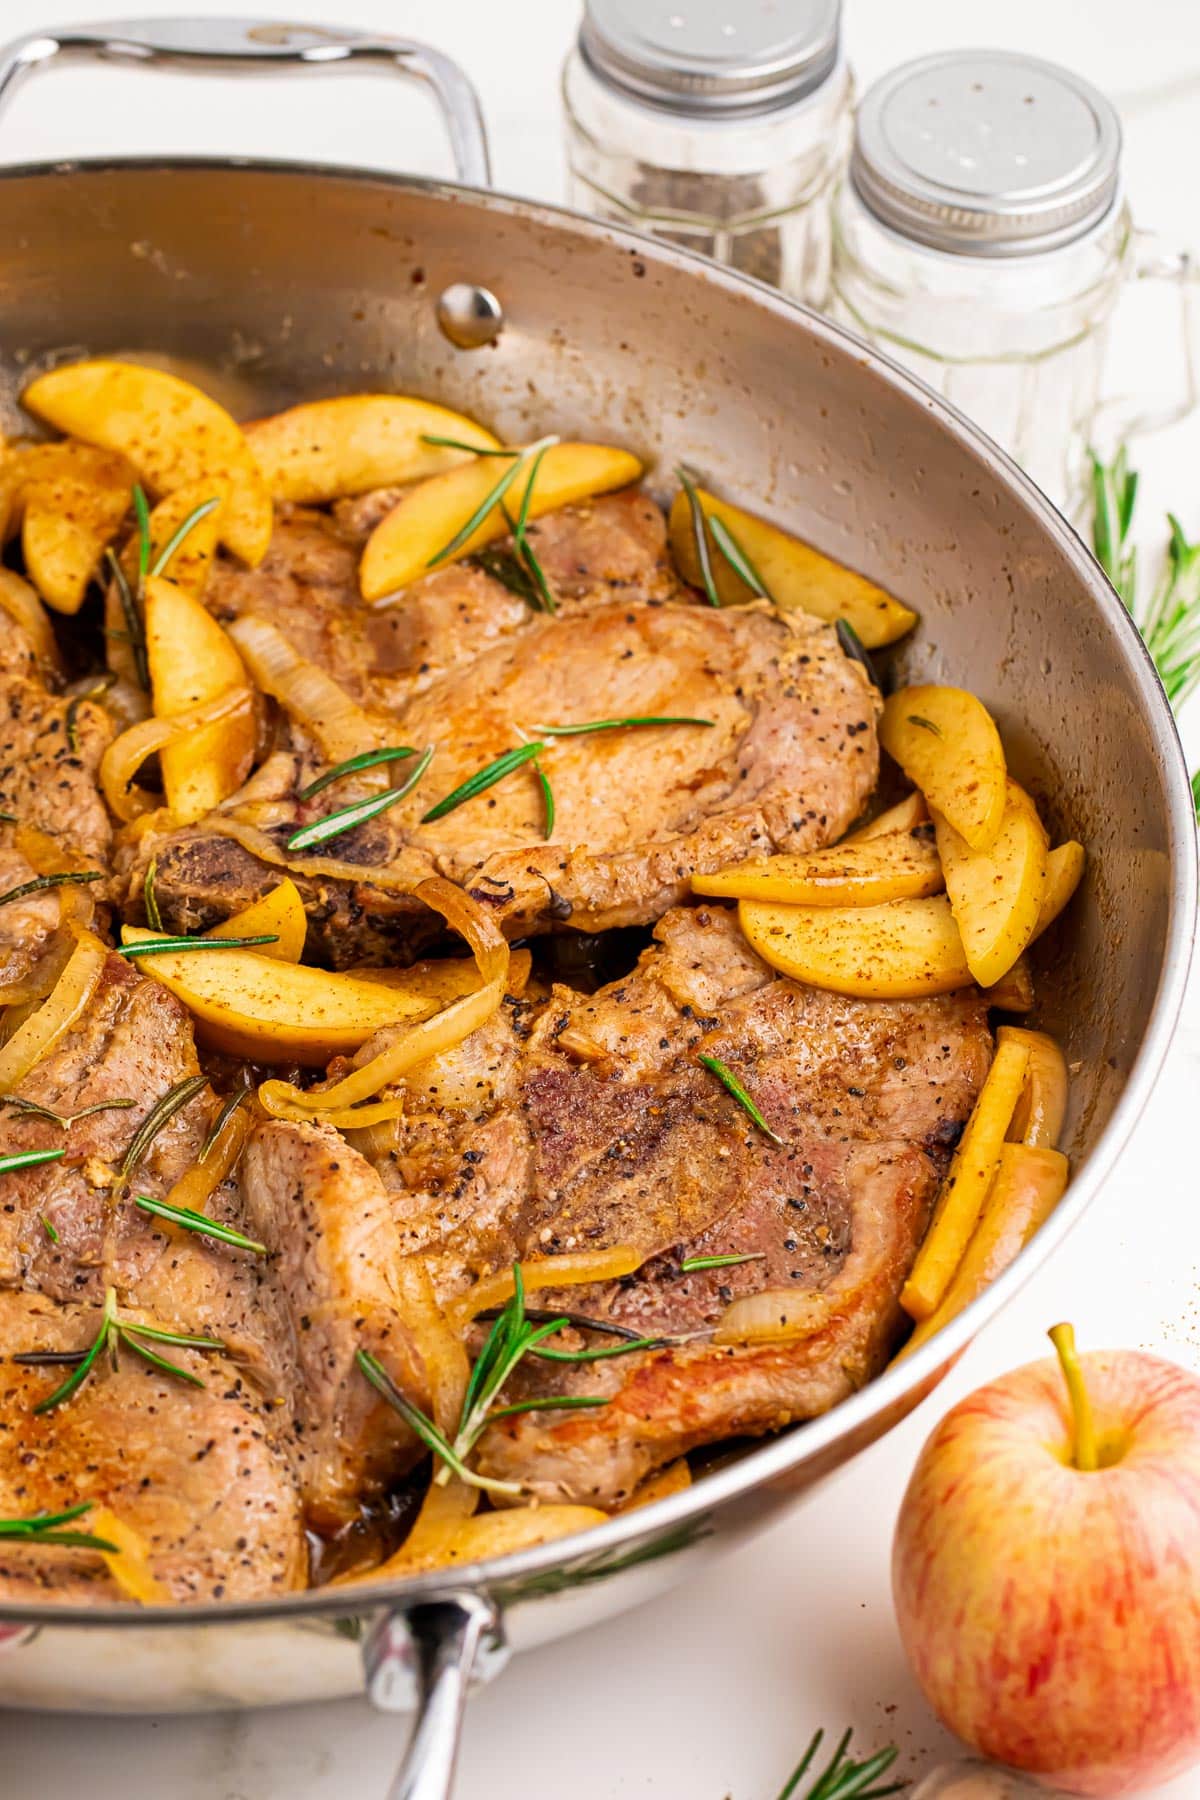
(719, 125)
(981, 237)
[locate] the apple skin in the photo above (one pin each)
(1051, 1615)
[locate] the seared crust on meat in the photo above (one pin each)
(43, 780)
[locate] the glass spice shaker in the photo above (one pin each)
(981, 237)
(975, 1780)
(719, 125)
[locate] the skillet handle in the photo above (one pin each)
(256, 47)
(428, 1657)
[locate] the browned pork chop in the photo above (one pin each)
(200, 1474)
(292, 1320)
(594, 1124)
(786, 762)
(48, 766)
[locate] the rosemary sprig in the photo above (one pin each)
(63, 1120)
(1169, 621)
(635, 720)
(99, 685)
(491, 500)
(700, 534)
(150, 896)
(843, 1779)
(41, 883)
(855, 649)
(161, 946)
(135, 632)
(199, 1222)
(449, 443)
(46, 1528)
(180, 533)
(335, 824)
(511, 1338)
(692, 1264)
(736, 557)
(548, 807)
(483, 779)
(369, 759)
(729, 1080)
(141, 510)
(160, 1114)
(114, 1334)
(26, 1159)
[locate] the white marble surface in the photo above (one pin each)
(710, 1693)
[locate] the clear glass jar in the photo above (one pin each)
(974, 1780)
(982, 239)
(720, 125)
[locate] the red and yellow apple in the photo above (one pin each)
(1046, 1570)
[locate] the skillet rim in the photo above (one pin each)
(920, 1374)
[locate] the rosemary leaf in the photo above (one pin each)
(736, 557)
(524, 548)
(637, 719)
(199, 1222)
(49, 1229)
(493, 498)
(26, 1159)
(626, 1348)
(549, 1403)
(126, 1336)
(42, 883)
(180, 533)
(227, 1110)
(64, 1120)
(925, 724)
(853, 647)
(700, 534)
(505, 566)
(691, 1265)
(729, 1080)
(483, 779)
(347, 817)
(142, 510)
(150, 896)
(548, 809)
(183, 1339)
(163, 946)
(159, 1115)
(135, 633)
(449, 443)
(369, 759)
(84, 1367)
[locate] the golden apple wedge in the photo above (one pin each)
(193, 660)
(901, 865)
(327, 449)
(946, 742)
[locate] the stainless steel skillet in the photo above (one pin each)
(276, 281)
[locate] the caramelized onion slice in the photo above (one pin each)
(338, 725)
(443, 1513)
(71, 993)
(576, 1269)
(774, 1316)
(417, 1044)
(126, 754)
(196, 1187)
(442, 1351)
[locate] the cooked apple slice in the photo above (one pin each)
(171, 432)
(996, 894)
(256, 1006)
(965, 1187)
(1064, 869)
(193, 660)
(1038, 1117)
(946, 742)
(906, 815)
(899, 866)
(279, 914)
(71, 499)
(20, 601)
(414, 536)
(1028, 1185)
(797, 577)
(900, 951)
(330, 448)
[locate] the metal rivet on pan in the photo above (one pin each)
(469, 316)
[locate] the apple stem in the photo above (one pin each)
(1084, 1455)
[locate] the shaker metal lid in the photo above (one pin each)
(712, 57)
(986, 153)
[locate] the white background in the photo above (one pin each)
(714, 1691)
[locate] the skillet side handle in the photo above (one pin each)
(257, 47)
(427, 1657)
